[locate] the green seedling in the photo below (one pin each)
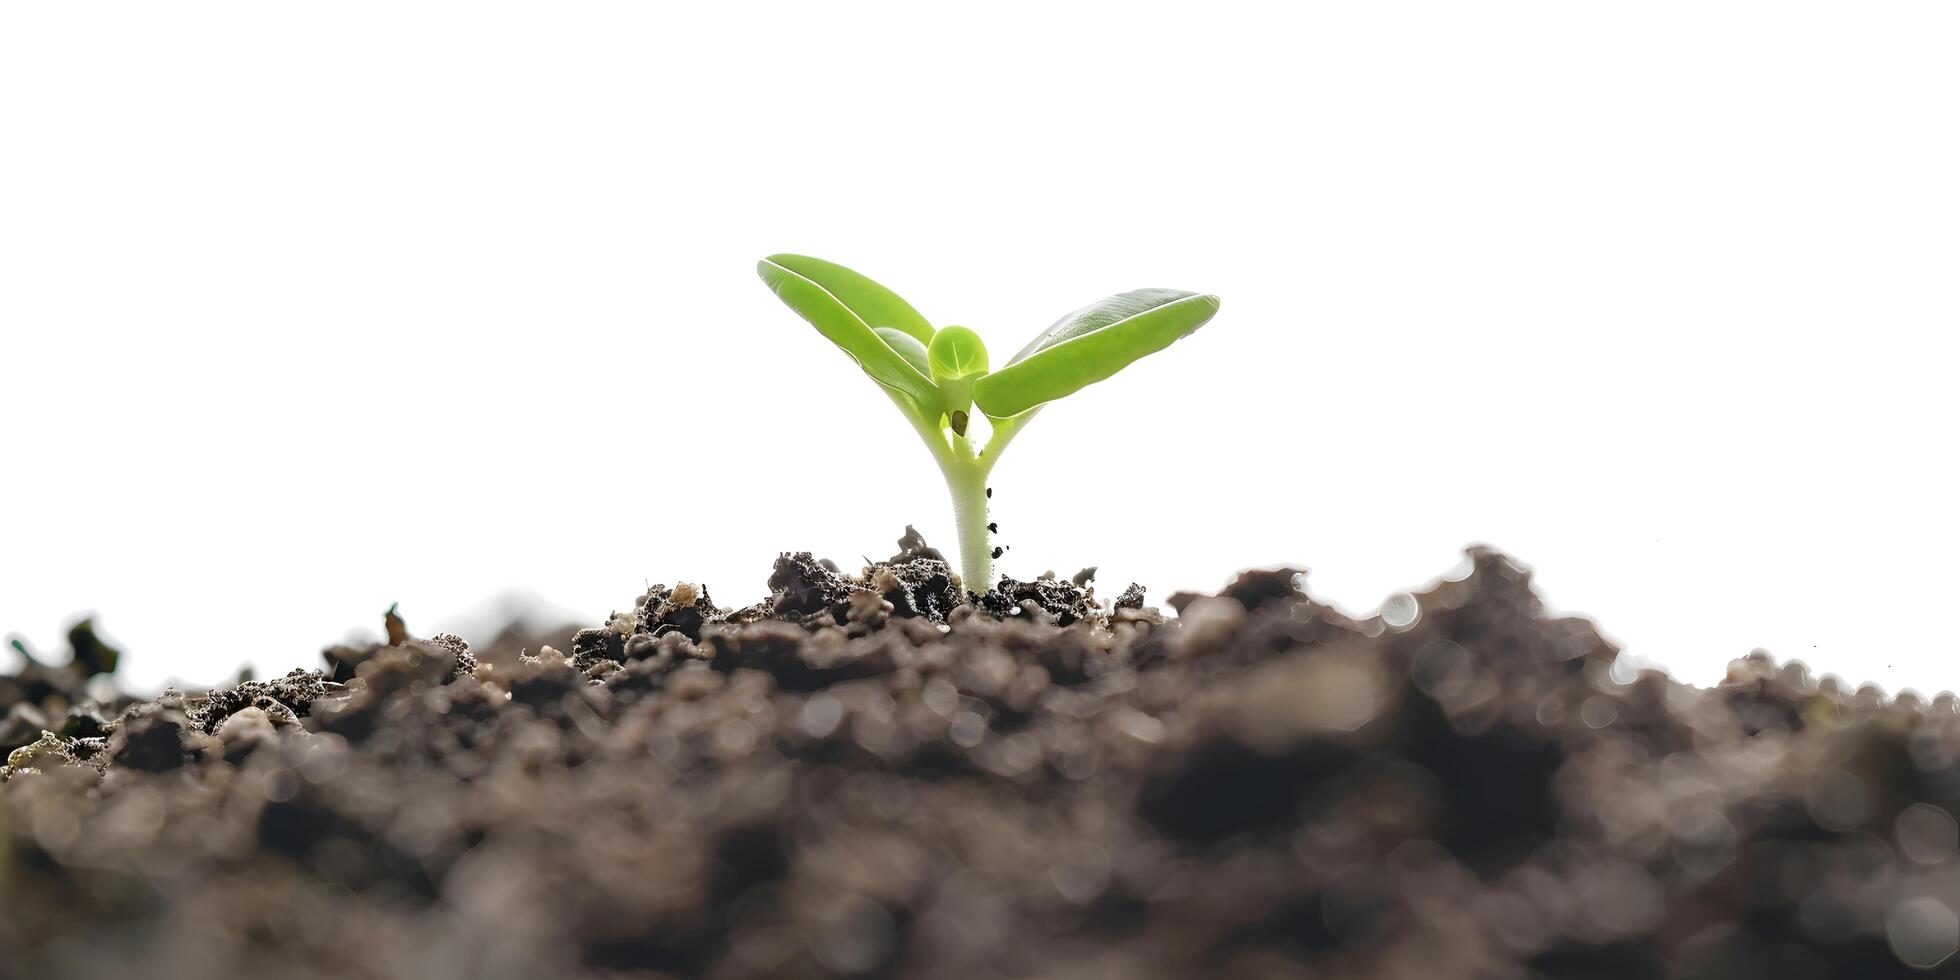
(938, 377)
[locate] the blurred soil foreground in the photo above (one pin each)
(868, 775)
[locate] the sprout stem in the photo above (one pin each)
(966, 478)
(966, 468)
(967, 481)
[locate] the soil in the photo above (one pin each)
(869, 775)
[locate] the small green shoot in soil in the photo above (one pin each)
(939, 376)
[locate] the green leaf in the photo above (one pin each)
(1090, 345)
(873, 303)
(906, 345)
(956, 352)
(957, 359)
(837, 320)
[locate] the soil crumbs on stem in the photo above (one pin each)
(871, 775)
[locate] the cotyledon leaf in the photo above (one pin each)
(876, 305)
(845, 327)
(1090, 345)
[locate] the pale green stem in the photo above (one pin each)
(966, 479)
(968, 484)
(966, 470)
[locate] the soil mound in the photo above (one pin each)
(871, 774)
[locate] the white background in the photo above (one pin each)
(307, 309)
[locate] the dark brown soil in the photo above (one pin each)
(870, 775)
